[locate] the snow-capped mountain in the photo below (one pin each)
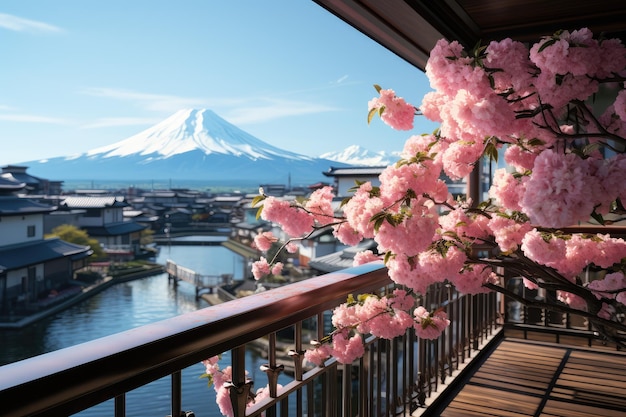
(189, 145)
(190, 130)
(355, 155)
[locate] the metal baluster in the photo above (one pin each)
(330, 393)
(297, 355)
(346, 390)
(272, 371)
(239, 389)
(120, 406)
(363, 385)
(310, 399)
(389, 401)
(379, 377)
(393, 364)
(176, 387)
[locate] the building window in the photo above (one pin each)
(30, 232)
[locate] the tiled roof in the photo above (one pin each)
(342, 259)
(93, 202)
(14, 205)
(22, 255)
(8, 183)
(114, 229)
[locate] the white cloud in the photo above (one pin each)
(237, 110)
(19, 24)
(121, 121)
(341, 79)
(273, 110)
(31, 118)
(153, 102)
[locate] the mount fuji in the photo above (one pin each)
(189, 145)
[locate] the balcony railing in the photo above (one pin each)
(392, 378)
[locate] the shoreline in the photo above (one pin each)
(86, 292)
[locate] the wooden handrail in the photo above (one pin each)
(67, 381)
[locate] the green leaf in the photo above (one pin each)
(258, 212)
(370, 115)
(589, 149)
(548, 43)
(256, 200)
(377, 223)
(345, 201)
(378, 88)
(388, 256)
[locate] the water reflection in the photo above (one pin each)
(129, 305)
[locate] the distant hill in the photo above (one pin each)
(189, 145)
(355, 155)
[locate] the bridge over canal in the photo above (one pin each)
(203, 283)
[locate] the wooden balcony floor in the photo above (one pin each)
(525, 378)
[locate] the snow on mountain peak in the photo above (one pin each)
(355, 155)
(194, 129)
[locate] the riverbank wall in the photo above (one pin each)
(87, 292)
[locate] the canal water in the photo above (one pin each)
(128, 305)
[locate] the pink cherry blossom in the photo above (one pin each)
(364, 257)
(344, 316)
(320, 205)
(291, 247)
(521, 158)
(401, 300)
(264, 240)
(347, 349)
(260, 268)
(507, 190)
(346, 234)
(511, 57)
(609, 286)
(277, 268)
(397, 113)
(472, 278)
(529, 284)
(412, 236)
(263, 393)
(318, 355)
(556, 195)
(508, 232)
(295, 222)
(429, 326)
(359, 211)
(388, 326)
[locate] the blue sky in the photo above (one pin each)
(77, 75)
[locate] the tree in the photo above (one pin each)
(73, 234)
(565, 152)
(146, 237)
(566, 168)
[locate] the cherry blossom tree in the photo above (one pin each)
(556, 112)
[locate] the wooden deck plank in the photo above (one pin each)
(495, 401)
(520, 376)
(565, 409)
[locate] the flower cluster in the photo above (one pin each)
(565, 155)
(221, 381)
(565, 166)
(385, 317)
